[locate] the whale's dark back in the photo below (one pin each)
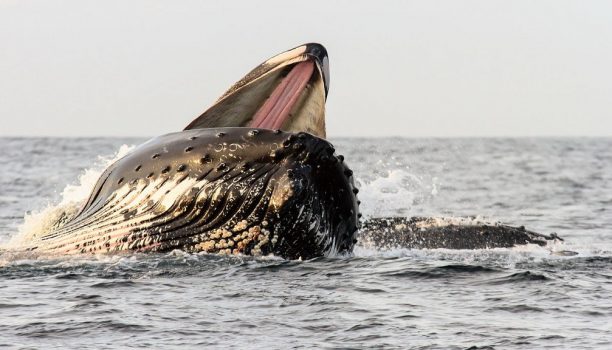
(228, 190)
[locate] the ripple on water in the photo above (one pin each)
(429, 299)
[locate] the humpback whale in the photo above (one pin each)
(253, 174)
(222, 190)
(449, 233)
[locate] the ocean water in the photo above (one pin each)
(519, 298)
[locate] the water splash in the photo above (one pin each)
(396, 193)
(72, 197)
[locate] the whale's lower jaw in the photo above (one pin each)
(229, 191)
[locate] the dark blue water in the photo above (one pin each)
(429, 299)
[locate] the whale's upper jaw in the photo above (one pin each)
(286, 92)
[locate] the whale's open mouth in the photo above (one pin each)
(286, 92)
(275, 110)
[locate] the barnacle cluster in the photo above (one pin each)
(242, 238)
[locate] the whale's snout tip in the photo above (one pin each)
(319, 53)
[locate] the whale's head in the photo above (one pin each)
(287, 92)
(251, 175)
(220, 190)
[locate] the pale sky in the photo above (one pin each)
(403, 68)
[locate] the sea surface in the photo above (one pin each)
(519, 298)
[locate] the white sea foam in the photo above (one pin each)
(506, 257)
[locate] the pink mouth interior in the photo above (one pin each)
(275, 111)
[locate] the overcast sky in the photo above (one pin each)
(407, 68)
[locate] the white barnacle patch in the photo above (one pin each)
(399, 227)
(224, 241)
(262, 238)
(220, 147)
(240, 226)
(253, 232)
(233, 147)
(280, 195)
(207, 246)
